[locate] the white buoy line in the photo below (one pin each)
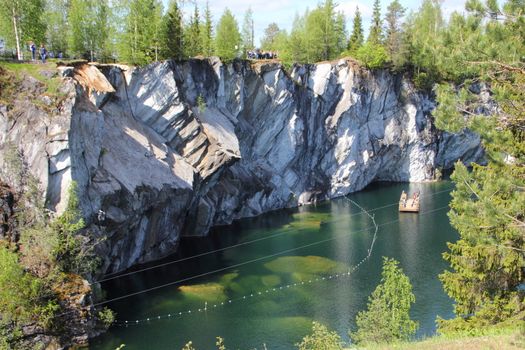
(213, 306)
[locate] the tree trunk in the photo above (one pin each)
(17, 38)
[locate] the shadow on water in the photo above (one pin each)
(281, 318)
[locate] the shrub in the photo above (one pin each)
(373, 56)
(387, 317)
(106, 317)
(70, 253)
(23, 297)
(321, 339)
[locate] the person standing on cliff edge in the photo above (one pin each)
(32, 48)
(43, 53)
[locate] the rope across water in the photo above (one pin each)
(110, 277)
(268, 291)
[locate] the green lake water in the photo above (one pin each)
(316, 245)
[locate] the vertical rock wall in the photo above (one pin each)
(173, 148)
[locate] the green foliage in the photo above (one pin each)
(106, 317)
(188, 346)
(387, 317)
(173, 34)
(70, 252)
(201, 104)
(318, 35)
(425, 81)
(325, 32)
(375, 35)
(192, 35)
(57, 24)
(29, 19)
(207, 33)
(293, 50)
(423, 32)
(23, 297)
(248, 30)
(39, 274)
(357, 37)
(228, 38)
(269, 40)
(394, 40)
(220, 344)
(88, 21)
(320, 339)
(372, 56)
(488, 260)
(140, 38)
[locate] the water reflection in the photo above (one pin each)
(280, 318)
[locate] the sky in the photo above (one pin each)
(283, 12)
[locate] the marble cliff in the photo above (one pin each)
(173, 148)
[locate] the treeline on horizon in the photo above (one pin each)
(477, 60)
(142, 31)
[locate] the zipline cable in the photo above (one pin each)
(106, 278)
(173, 315)
(276, 288)
(250, 261)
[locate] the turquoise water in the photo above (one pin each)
(286, 248)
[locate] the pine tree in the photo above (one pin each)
(376, 29)
(192, 35)
(394, 35)
(228, 39)
(173, 35)
(357, 37)
(387, 317)
(423, 37)
(247, 31)
(270, 35)
(207, 33)
(487, 207)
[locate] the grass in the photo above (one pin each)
(35, 70)
(496, 339)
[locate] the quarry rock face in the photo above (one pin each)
(173, 148)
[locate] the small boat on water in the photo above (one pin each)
(409, 204)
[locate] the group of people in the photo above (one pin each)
(404, 198)
(42, 52)
(261, 55)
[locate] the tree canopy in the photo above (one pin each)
(357, 37)
(387, 317)
(22, 21)
(487, 208)
(228, 37)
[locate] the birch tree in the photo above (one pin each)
(21, 21)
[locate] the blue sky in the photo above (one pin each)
(283, 12)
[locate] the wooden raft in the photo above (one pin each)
(409, 204)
